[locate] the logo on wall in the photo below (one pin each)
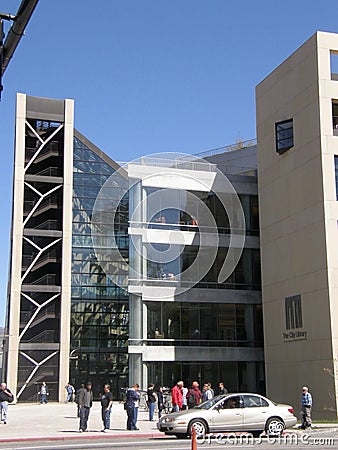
(294, 320)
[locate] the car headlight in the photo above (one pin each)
(168, 419)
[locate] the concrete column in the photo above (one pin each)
(66, 248)
(135, 272)
(12, 328)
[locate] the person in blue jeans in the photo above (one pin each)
(106, 404)
(85, 403)
(6, 397)
(43, 393)
(151, 401)
(131, 406)
(70, 392)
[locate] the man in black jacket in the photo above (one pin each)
(5, 397)
(151, 401)
(85, 403)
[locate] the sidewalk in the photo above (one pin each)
(59, 421)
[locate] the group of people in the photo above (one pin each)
(184, 398)
(181, 397)
(84, 400)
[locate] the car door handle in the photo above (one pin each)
(238, 414)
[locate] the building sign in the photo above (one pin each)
(294, 335)
(294, 320)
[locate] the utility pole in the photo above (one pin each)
(15, 33)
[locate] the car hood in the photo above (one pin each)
(187, 413)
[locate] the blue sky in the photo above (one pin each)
(151, 76)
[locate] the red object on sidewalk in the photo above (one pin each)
(193, 439)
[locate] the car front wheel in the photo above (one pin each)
(200, 427)
(274, 427)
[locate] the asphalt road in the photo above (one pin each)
(321, 439)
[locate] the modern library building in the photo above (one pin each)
(214, 267)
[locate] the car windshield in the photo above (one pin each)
(210, 403)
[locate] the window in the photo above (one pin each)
(335, 117)
(253, 401)
(232, 402)
(284, 136)
(336, 173)
(293, 312)
(334, 64)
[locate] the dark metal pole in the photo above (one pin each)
(16, 31)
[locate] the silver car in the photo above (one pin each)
(232, 412)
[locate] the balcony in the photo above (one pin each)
(198, 342)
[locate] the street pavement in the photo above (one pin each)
(59, 421)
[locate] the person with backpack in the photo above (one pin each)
(194, 395)
(6, 397)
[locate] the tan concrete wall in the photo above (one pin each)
(16, 259)
(293, 231)
(65, 349)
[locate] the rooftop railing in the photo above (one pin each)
(228, 148)
(183, 163)
(197, 342)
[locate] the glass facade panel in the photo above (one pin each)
(189, 209)
(236, 376)
(203, 324)
(99, 311)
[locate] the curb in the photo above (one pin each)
(82, 437)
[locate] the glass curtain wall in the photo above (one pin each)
(99, 311)
(246, 376)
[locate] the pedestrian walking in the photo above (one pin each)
(160, 401)
(211, 390)
(70, 393)
(43, 393)
(177, 396)
(151, 401)
(85, 403)
(194, 395)
(6, 397)
(131, 406)
(106, 405)
(306, 403)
